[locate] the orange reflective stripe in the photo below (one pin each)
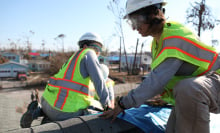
(210, 66)
(75, 64)
(184, 52)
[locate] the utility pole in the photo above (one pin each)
(120, 57)
(141, 58)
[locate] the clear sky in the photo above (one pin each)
(46, 19)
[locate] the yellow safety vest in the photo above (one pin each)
(109, 82)
(67, 90)
(179, 42)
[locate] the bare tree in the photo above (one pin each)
(134, 68)
(118, 12)
(12, 45)
(27, 40)
(57, 61)
(199, 14)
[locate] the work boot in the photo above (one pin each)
(33, 112)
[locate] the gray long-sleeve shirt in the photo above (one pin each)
(90, 67)
(156, 80)
(153, 84)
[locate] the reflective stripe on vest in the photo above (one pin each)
(59, 103)
(68, 84)
(189, 48)
(71, 66)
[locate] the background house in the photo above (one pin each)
(11, 56)
(114, 59)
(11, 69)
(143, 61)
(38, 65)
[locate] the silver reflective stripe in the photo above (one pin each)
(61, 98)
(69, 72)
(69, 85)
(189, 48)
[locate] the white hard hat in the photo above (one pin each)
(90, 36)
(134, 5)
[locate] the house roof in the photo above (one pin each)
(13, 62)
(12, 53)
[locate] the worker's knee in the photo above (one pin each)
(185, 88)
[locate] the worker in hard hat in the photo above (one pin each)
(70, 92)
(185, 71)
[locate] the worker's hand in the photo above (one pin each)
(112, 113)
(112, 104)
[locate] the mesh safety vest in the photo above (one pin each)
(109, 82)
(67, 90)
(179, 42)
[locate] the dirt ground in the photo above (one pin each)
(123, 77)
(13, 101)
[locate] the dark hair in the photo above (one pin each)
(153, 15)
(86, 42)
(92, 44)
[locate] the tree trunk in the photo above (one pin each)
(119, 70)
(134, 68)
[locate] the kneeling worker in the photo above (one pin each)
(70, 92)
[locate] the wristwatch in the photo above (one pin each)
(120, 103)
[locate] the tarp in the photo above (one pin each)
(153, 119)
(33, 54)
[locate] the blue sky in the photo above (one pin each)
(49, 18)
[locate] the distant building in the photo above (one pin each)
(11, 69)
(11, 56)
(142, 62)
(113, 59)
(24, 61)
(36, 55)
(38, 65)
